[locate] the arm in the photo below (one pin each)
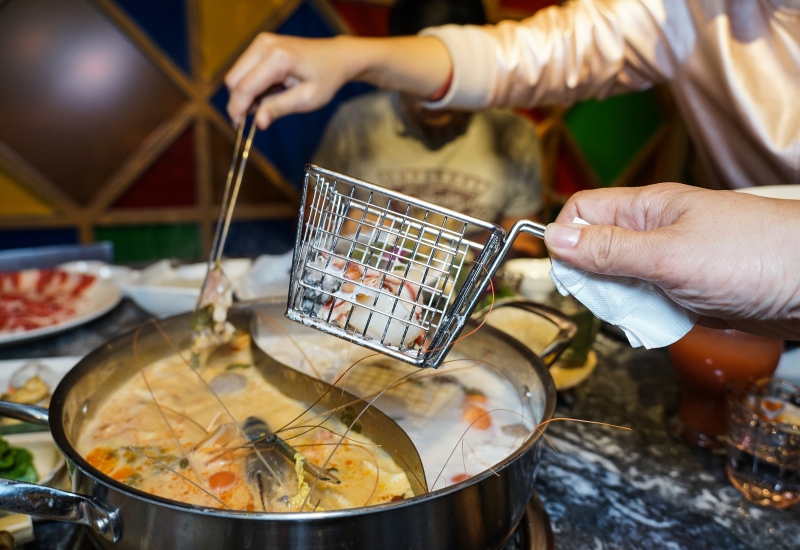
(314, 69)
(562, 54)
(732, 258)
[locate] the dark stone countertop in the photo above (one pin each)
(606, 488)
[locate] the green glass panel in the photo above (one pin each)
(611, 132)
(144, 243)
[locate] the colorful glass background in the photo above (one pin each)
(113, 124)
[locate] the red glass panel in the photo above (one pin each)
(526, 5)
(569, 176)
(170, 181)
(364, 19)
(535, 114)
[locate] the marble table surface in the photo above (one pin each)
(604, 488)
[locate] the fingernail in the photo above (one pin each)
(562, 235)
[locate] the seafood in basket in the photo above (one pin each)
(387, 271)
(346, 292)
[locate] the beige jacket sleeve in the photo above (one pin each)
(563, 54)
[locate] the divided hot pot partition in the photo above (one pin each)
(476, 514)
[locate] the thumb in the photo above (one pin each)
(300, 98)
(604, 249)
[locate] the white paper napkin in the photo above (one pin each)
(269, 277)
(641, 309)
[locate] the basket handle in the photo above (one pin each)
(522, 226)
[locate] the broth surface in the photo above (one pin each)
(166, 433)
(463, 417)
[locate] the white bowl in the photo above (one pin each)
(536, 283)
(164, 290)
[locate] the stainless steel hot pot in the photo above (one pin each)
(476, 514)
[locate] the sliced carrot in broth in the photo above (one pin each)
(122, 473)
(103, 459)
(221, 480)
(476, 416)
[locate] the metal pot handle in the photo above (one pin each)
(567, 329)
(46, 502)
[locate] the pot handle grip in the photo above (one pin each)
(49, 503)
(25, 413)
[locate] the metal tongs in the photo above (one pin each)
(216, 294)
(211, 310)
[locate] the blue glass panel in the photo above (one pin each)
(291, 142)
(256, 237)
(165, 22)
(25, 238)
(220, 100)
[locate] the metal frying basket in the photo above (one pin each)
(387, 271)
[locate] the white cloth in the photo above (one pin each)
(733, 68)
(491, 172)
(642, 310)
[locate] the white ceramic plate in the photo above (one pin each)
(99, 299)
(119, 275)
(774, 191)
(535, 283)
(57, 367)
(268, 278)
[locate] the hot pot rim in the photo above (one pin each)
(88, 363)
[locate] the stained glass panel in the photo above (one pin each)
(84, 98)
(169, 182)
(255, 188)
(364, 19)
(165, 22)
(24, 238)
(144, 243)
(256, 237)
(225, 27)
(17, 200)
(611, 132)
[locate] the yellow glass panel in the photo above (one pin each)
(19, 201)
(226, 26)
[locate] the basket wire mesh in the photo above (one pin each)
(387, 271)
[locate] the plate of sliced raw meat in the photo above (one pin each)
(40, 302)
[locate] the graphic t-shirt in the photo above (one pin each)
(490, 172)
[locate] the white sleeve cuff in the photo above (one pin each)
(472, 52)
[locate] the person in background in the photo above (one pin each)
(486, 164)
